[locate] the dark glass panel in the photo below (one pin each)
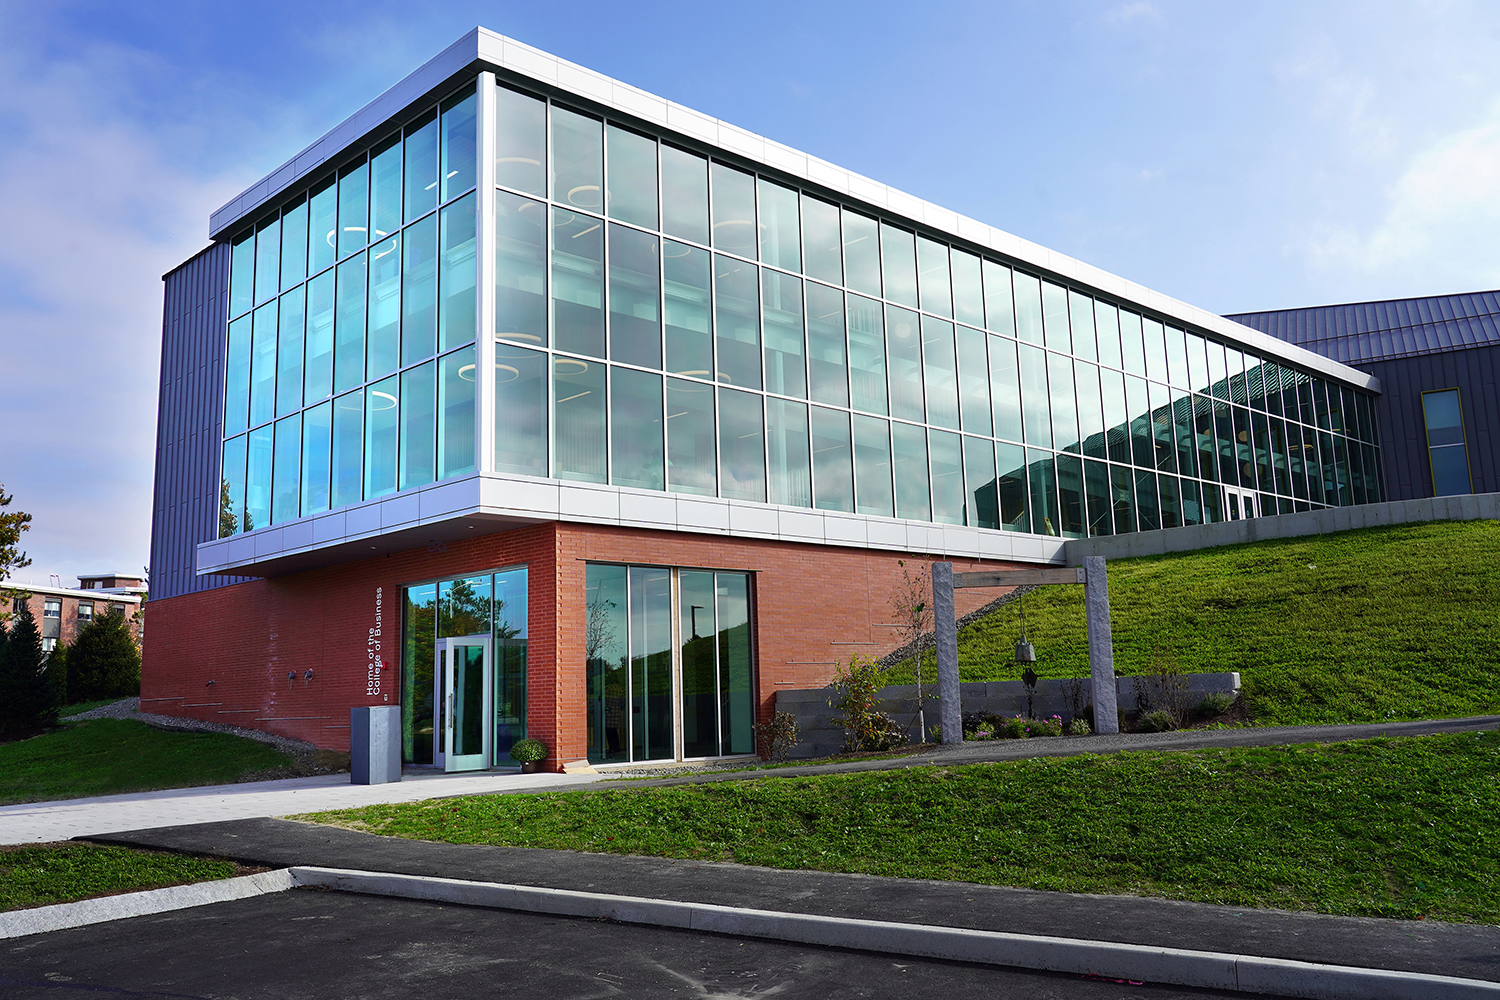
(1043, 477)
(736, 665)
(1097, 499)
(1148, 514)
(1013, 489)
(1070, 496)
(1122, 492)
(1142, 443)
(1171, 502)
(1165, 453)
(606, 656)
(700, 684)
(1116, 415)
(1090, 411)
(510, 660)
(1264, 476)
(1244, 448)
(981, 503)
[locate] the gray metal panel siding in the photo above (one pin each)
(188, 423)
(1360, 332)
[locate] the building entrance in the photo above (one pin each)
(1240, 504)
(462, 696)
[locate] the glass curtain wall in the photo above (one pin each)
(925, 364)
(349, 365)
(651, 677)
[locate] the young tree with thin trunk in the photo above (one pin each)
(912, 603)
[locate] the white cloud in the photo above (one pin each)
(1128, 12)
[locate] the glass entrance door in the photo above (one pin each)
(1239, 504)
(462, 697)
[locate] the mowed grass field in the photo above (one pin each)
(1360, 626)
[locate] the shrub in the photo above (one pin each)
(27, 697)
(1014, 728)
(1158, 721)
(1079, 726)
(776, 737)
(1216, 703)
(1047, 727)
(104, 661)
(855, 691)
(528, 751)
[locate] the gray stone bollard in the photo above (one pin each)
(1101, 648)
(374, 744)
(946, 635)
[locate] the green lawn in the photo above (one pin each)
(1360, 626)
(84, 706)
(1386, 827)
(36, 875)
(105, 756)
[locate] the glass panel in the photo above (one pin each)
(1262, 454)
(827, 364)
(1142, 444)
(999, 309)
(263, 365)
(1064, 415)
(1070, 501)
(258, 479)
(821, 242)
(651, 662)
(242, 274)
(684, 186)
(631, 196)
(1187, 445)
(1278, 458)
(418, 658)
(637, 456)
(459, 139)
(1171, 510)
(419, 292)
(861, 253)
(1107, 333)
(634, 297)
(1442, 414)
(317, 425)
(968, 290)
(1116, 415)
(294, 245)
(1028, 308)
(385, 188)
(383, 352)
(1090, 411)
(1036, 406)
(947, 477)
(322, 227)
(520, 270)
(456, 391)
(285, 488)
(974, 381)
(1164, 455)
(606, 656)
(981, 503)
(940, 369)
(733, 210)
(354, 208)
(578, 407)
(934, 281)
(349, 325)
(456, 304)
(872, 466)
(464, 607)
(790, 472)
(691, 461)
(742, 450)
(737, 321)
(898, 258)
(1236, 362)
(1043, 477)
(1096, 498)
(237, 376)
(318, 378)
(1197, 360)
(232, 487)
(267, 260)
(690, 346)
(381, 435)
(1255, 390)
(1132, 343)
(1156, 350)
(1055, 317)
(577, 160)
(1296, 461)
(904, 347)
(577, 283)
(781, 312)
(866, 355)
(1213, 503)
(1005, 388)
(1123, 491)
(1177, 362)
(1218, 371)
(779, 229)
(520, 411)
(1146, 511)
(1192, 509)
(1081, 311)
(288, 353)
(700, 683)
(520, 141)
(510, 660)
(1224, 434)
(832, 460)
(421, 166)
(736, 673)
(909, 446)
(1015, 493)
(418, 425)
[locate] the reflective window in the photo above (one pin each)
(577, 283)
(742, 455)
(909, 464)
(286, 468)
(999, 309)
(981, 502)
(861, 253)
(419, 291)
(263, 365)
(790, 472)
(1081, 310)
(459, 145)
(578, 406)
(780, 234)
(317, 425)
(733, 210)
(456, 301)
(827, 363)
(832, 460)
(872, 466)
(737, 321)
(354, 208)
(689, 338)
(637, 452)
(520, 270)
(898, 261)
(237, 376)
(781, 312)
(684, 185)
(866, 355)
(974, 381)
(456, 387)
(322, 226)
(821, 243)
(1028, 294)
(267, 260)
(520, 411)
(968, 290)
(634, 297)
(1005, 388)
(421, 174)
(318, 373)
(382, 433)
(520, 141)
(419, 426)
(934, 281)
(1055, 317)
(904, 348)
(945, 458)
(1041, 474)
(577, 160)
(1443, 417)
(258, 478)
(631, 196)
(289, 340)
(1107, 333)
(349, 325)
(1012, 486)
(294, 245)
(1036, 401)
(692, 463)
(383, 343)
(385, 188)
(1070, 497)
(232, 488)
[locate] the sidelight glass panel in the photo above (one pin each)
(700, 701)
(456, 301)
(634, 297)
(520, 270)
(780, 235)
(946, 461)
(421, 152)
(382, 432)
(237, 376)
(289, 339)
(981, 502)
(318, 377)
(909, 465)
(827, 363)
(684, 186)
(286, 469)
(578, 408)
(650, 663)
(385, 188)
(577, 283)
(383, 348)
(872, 466)
(934, 280)
(737, 321)
(781, 311)
(736, 668)
(456, 390)
(631, 193)
(520, 411)
(322, 226)
(832, 460)
(354, 208)
(1028, 307)
(733, 210)
(690, 347)
(637, 456)
(520, 141)
(940, 372)
(742, 448)
(511, 643)
(692, 464)
(974, 381)
(904, 349)
(821, 243)
(861, 253)
(263, 365)
(1055, 317)
(258, 478)
(232, 488)
(294, 245)
(317, 425)
(577, 160)
(898, 260)
(790, 472)
(1005, 388)
(1011, 486)
(267, 260)
(348, 448)
(349, 325)
(866, 355)
(418, 425)
(419, 291)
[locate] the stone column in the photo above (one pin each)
(945, 634)
(1101, 650)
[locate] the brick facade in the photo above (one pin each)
(226, 655)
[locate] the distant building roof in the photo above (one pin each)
(1358, 332)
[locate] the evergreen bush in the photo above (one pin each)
(27, 697)
(104, 661)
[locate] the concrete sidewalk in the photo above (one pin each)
(1432, 947)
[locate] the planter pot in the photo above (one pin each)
(530, 766)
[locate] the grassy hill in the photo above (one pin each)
(1360, 626)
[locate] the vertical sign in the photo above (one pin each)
(372, 653)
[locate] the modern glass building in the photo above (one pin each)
(573, 412)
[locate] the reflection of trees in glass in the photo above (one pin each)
(419, 655)
(600, 630)
(464, 610)
(227, 521)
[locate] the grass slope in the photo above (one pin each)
(1359, 626)
(1389, 827)
(121, 755)
(39, 874)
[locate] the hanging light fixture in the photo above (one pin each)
(1025, 651)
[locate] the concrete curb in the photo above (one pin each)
(61, 916)
(1279, 977)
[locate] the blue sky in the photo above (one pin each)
(1237, 156)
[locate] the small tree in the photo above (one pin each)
(855, 691)
(912, 605)
(11, 556)
(27, 698)
(104, 661)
